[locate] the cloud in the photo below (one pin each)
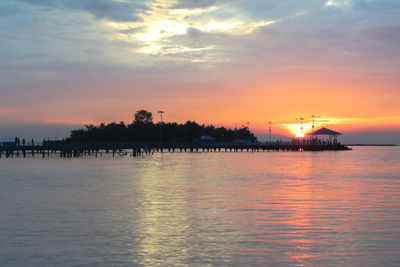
(167, 20)
(174, 30)
(374, 5)
(194, 4)
(109, 9)
(337, 3)
(4, 111)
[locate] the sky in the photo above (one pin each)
(66, 63)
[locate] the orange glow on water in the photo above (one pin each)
(299, 135)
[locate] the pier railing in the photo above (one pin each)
(75, 149)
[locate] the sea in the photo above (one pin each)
(331, 208)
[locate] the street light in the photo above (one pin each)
(313, 117)
(161, 124)
(269, 131)
(301, 119)
(300, 135)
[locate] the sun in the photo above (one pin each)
(296, 129)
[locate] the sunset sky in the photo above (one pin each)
(64, 63)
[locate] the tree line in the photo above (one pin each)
(142, 129)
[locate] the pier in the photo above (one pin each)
(77, 150)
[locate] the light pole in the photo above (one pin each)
(313, 127)
(300, 135)
(313, 120)
(269, 131)
(161, 125)
(301, 123)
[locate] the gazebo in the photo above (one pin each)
(332, 135)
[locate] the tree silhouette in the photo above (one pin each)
(144, 117)
(144, 130)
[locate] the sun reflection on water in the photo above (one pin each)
(301, 209)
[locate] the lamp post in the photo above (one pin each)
(161, 125)
(300, 135)
(313, 135)
(269, 131)
(301, 121)
(313, 127)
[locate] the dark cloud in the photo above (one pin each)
(119, 11)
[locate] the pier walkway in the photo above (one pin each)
(76, 150)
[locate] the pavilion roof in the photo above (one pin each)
(325, 131)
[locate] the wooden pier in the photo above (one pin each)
(76, 150)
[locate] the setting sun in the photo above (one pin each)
(296, 130)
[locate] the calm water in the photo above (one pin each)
(246, 209)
